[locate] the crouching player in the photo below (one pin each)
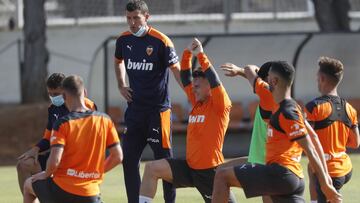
(282, 177)
(76, 162)
(208, 121)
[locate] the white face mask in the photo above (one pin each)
(140, 32)
(57, 100)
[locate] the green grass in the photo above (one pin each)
(113, 188)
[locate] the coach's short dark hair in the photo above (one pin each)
(74, 85)
(285, 70)
(137, 5)
(264, 70)
(331, 67)
(54, 80)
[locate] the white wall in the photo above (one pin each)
(80, 43)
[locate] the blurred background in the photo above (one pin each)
(41, 37)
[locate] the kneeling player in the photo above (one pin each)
(34, 160)
(281, 177)
(76, 162)
(208, 122)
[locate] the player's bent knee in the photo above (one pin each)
(227, 176)
(221, 174)
(154, 167)
(27, 186)
(27, 165)
(158, 169)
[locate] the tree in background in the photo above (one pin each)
(332, 15)
(34, 70)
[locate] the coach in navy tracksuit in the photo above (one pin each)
(146, 55)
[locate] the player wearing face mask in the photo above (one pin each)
(147, 57)
(34, 160)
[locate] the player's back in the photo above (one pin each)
(84, 136)
(333, 118)
(286, 125)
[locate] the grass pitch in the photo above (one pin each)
(113, 187)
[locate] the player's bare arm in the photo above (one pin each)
(354, 138)
(251, 73)
(175, 69)
(231, 70)
(331, 194)
(120, 71)
(115, 157)
(52, 164)
(319, 149)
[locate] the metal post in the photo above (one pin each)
(110, 7)
(21, 62)
(297, 55)
(20, 13)
(227, 15)
(106, 86)
(177, 6)
(275, 10)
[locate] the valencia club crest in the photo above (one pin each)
(149, 50)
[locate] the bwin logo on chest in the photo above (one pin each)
(196, 119)
(139, 66)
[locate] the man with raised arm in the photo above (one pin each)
(208, 121)
(282, 177)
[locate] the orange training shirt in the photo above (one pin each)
(333, 138)
(286, 125)
(208, 121)
(85, 137)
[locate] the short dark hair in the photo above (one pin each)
(331, 67)
(134, 5)
(285, 70)
(264, 70)
(54, 80)
(198, 73)
(74, 85)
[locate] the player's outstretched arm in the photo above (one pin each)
(251, 73)
(115, 157)
(231, 70)
(205, 64)
(185, 73)
(331, 194)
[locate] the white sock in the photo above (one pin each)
(313, 201)
(143, 199)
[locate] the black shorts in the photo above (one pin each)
(48, 192)
(338, 183)
(273, 180)
(184, 176)
(42, 158)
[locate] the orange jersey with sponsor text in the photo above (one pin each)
(286, 125)
(56, 114)
(333, 132)
(267, 103)
(208, 121)
(85, 137)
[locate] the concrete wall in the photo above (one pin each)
(72, 49)
(257, 50)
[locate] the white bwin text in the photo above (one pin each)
(139, 65)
